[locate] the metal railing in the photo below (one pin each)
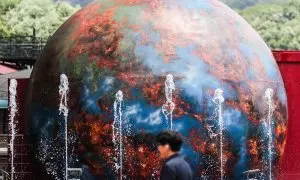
(21, 47)
(21, 158)
(4, 175)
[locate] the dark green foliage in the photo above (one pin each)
(278, 24)
(277, 21)
(19, 17)
(242, 4)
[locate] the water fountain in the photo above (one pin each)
(169, 106)
(117, 128)
(218, 99)
(63, 109)
(210, 123)
(12, 123)
(269, 100)
(147, 58)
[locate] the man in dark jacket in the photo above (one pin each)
(175, 167)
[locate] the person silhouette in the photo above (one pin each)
(174, 167)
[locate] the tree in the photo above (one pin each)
(242, 4)
(45, 16)
(6, 5)
(4, 31)
(279, 25)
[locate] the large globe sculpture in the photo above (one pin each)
(118, 72)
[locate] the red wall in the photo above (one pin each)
(289, 65)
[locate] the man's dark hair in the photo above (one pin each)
(171, 138)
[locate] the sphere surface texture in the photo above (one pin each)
(121, 71)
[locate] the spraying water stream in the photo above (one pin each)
(12, 123)
(269, 100)
(218, 99)
(169, 106)
(63, 109)
(117, 133)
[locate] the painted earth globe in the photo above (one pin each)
(118, 72)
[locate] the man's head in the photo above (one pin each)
(168, 142)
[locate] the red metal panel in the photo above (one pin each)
(287, 56)
(289, 65)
